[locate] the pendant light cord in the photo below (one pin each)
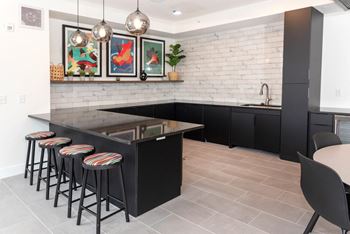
(137, 4)
(78, 13)
(103, 18)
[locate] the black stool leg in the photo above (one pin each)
(107, 196)
(70, 192)
(312, 223)
(64, 169)
(343, 231)
(32, 164)
(40, 169)
(55, 161)
(58, 183)
(98, 197)
(48, 177)
(124, 194)
(27, 160)
(82, 196)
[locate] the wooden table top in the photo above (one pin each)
(336, 157)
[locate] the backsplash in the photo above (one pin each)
(231, 65)
(223, 66)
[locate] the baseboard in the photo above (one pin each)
(11, 171)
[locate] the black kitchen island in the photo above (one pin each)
(151, 147)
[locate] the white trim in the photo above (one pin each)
(11, 171)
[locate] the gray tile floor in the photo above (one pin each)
(224, 191)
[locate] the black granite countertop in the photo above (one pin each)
(123, 128)
(330, 110)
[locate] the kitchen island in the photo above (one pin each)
(151, 147)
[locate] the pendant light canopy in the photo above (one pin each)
(137, 23)
(102, 32)
(79, 38)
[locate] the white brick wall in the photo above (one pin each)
(222, 66)
(231, 65)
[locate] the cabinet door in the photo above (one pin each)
(294, 121)
(191, 113)
(242, 129)
(267, 132)
(147, 111)
(217, 122)
(165, 111)
(127, 110)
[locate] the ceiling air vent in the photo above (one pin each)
(346, 3)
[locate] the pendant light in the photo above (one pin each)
(102, 32)
(79, 38)
(137, 23)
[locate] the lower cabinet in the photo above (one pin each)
(242, 129)
(191, 113)
(318, 123)
(268, 132)
(216, 122)
(165, 111)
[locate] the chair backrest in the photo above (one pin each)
(324, 139)
(324, 191)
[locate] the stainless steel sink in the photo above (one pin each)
(262, 105)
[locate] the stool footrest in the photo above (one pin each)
(94, 213)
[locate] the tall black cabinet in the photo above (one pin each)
(302, 63)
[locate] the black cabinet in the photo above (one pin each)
(302, 66)
(216, 122)
(147, 111)
(242, 129)
(191, 113)
(267, 132)
(318, 123)
(126, 110)
(165, 111)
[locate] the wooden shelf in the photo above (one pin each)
(112, 81)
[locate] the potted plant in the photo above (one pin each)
(82, 74)
(70, 74)
(174, 57)
(91, 74)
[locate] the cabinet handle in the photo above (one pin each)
(160, 138)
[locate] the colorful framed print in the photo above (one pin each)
(153, 57)
(87, 58)
(122, 56)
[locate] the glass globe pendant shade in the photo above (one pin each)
(137, 23)
(79, 39)
(102, 32)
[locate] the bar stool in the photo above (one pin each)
(32, 138)
(99, 163)
(70, 153)
(50, 145)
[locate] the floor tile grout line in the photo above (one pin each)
(27, 207)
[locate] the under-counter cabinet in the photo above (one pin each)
(191, 113)
(165, 111)
(242, 129)
(318, 123)
(216, 124)
(268, 132)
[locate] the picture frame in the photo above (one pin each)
(121, 56)
(88, 58)
(31, 17)
(152, 57)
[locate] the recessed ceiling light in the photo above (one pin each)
(176, 12)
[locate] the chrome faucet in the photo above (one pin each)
(267, 97)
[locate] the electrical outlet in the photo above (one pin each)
(3, 100)
(338, 92)
(22, 99)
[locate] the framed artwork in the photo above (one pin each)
(32, 17)
(122, 56)
(75, 59)
(153, 57)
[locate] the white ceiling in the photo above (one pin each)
(162, 9)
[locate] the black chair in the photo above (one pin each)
(325, 193)
(324, 139)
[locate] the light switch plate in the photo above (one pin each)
(3, 100)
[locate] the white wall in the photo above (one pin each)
(25, 72)
(335, 91)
